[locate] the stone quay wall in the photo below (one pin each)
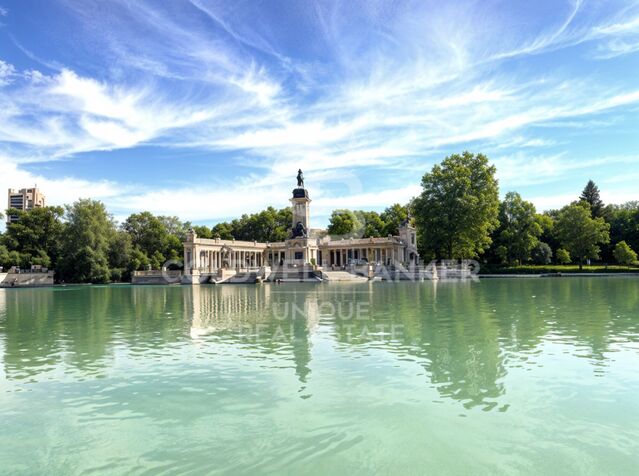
(20, 280)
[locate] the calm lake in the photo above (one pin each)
(503, 376)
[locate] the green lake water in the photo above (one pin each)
(504, 376)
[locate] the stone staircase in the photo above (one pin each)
(242, 277)
(342, 276)
(289, 275)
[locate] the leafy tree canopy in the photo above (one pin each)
(624, 223)
(393, 217)
(345, 223)
(88, 234)
(541, 253)
(35, 236)
(519, 228)
(269, 225)
(367, 224)
(624, 254)
(563, 257)
(158, 238)
(579, 233)
(458, 207)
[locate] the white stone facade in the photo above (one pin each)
(304, 247)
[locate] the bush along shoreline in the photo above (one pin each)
(488, 269)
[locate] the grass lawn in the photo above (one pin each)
(543, 269)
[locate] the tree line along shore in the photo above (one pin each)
(458, 215)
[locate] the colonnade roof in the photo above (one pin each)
(254, 245)
(234, 244)
(349, 242)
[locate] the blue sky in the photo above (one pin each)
(206, 109)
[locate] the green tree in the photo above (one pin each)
(85, 250)
(519, 228)
(624, 224)
(148, 233)
(374, 226)
(158, 238)
(269, 225)
(345, 223)
(202, 231)
(359, 223)
(120, 255)
(223, 231)
(36, 235)
(590, 195)
(157, 260)
(563, 257)
(174, 226)
(541, 253)
(139, 260)
(579, 233)
(393, 217)
(173, 248)
(547, 222)
(5, 258)
(458, 207)
(624, 254)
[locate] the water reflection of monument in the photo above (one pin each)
(466, 337)
(272, 321)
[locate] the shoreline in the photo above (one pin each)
(557, 275)
(479, 276)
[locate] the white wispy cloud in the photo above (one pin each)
(67, 113)
(7, 72)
